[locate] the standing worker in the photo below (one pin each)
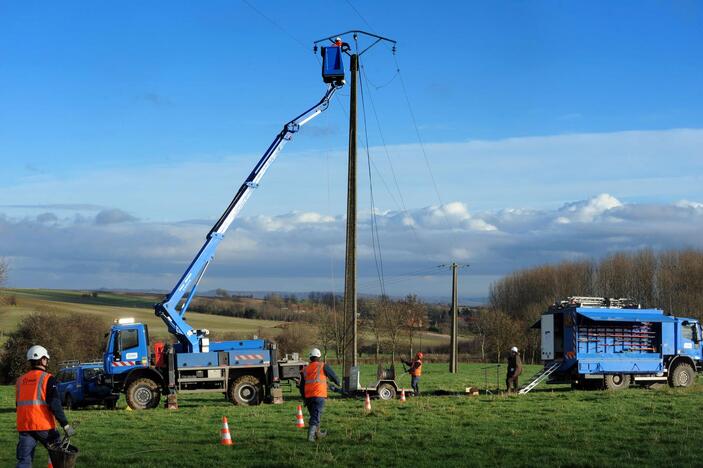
(514, 370)
(313, 388)
(37, 402)
(415, 371)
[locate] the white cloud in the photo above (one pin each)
(304, 250)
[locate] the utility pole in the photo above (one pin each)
(350, 298)
(454, 340)
(349, 360)
(454, 326)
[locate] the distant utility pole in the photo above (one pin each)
(349, 359)
(454, 328)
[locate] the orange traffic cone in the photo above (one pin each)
(225, 437)
(299, 421)
(367, 403)
(49, 465)
(402, 394)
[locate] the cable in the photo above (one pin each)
(375, 239)
(360, 16)
(281, 28)
(422, 147)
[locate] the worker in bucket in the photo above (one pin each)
(37, 402)
(313, 388)
(514, 370)
(415, 371)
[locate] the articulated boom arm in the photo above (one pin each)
(168, 309)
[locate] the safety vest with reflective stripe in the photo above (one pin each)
(417, 371)
(315, 380)
(33, 413)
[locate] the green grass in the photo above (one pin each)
(552, 427)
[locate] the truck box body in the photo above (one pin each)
(592, 342)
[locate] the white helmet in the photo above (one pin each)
(37, 352)
(314, 352)
(514, 349)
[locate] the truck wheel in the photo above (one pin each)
(616, 381)
(683, 375)
(143, 394)
(386, 391)
(246, 391)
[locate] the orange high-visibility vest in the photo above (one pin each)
(33, 413)
(417, 372)
(315, 380)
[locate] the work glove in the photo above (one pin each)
(70, 431)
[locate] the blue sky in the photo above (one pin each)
(132, 124)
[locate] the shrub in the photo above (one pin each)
(64, 335)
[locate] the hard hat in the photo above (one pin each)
(37, 352)
(514, 349)
(419, 355)
(314, 352)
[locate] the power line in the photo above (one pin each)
(270, 20)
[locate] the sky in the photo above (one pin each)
(500, 135)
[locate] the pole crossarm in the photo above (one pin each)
(357, 32)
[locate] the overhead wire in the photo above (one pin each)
(375, 238)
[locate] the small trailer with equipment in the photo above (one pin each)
(613, 343)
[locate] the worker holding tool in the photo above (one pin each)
(415, 371)
(313, 388)
(514, 370)
(38, 404)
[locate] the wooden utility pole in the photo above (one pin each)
(454, 338)
(350, 303)
(350, 340)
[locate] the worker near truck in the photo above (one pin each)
(415, 371)
(38, 406)
(313, 388)
(514, 370)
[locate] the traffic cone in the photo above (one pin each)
(300, 422)
(367, 403)
(225, 437)
(402, 394)
(49, 465)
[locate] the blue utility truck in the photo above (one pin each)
(79, 384)
(613, 343)
(249, 371)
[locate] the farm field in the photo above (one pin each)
(553, 426)
(113, 305)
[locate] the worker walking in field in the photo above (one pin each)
(514, 370)
(37, 402)
(415, 371)
(313, 388)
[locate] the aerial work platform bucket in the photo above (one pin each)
(332, 65)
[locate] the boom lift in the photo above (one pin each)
(246, 371)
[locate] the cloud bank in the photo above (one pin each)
(299, 251)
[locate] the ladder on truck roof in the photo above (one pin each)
(540, 377)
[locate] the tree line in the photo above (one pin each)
(670, 280)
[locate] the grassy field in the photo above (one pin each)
(551, 426)
(111, 306)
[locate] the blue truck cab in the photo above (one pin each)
(80, 384)
(127, 347)
(590, 341)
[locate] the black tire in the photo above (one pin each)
(683, 375)
(246, 390)
(616, 381)
(386, 391)
(143, 394)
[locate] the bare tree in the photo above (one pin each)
(3, 271)
(393, 319)
(416, 317)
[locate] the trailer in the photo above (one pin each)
(385, 387)
(613, 343)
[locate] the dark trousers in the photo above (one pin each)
(28, 442)
(415, 384)
(511, 381)
(315, 407)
